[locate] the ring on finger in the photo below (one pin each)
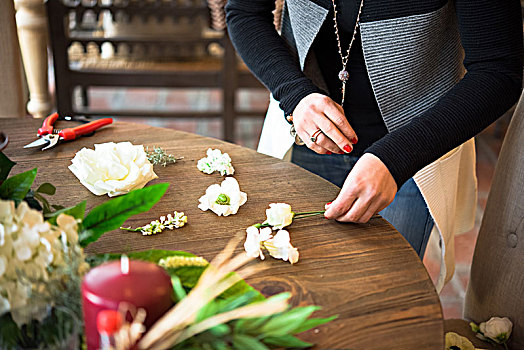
(315, 135)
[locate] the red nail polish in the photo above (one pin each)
(348, 148)
(328, 203)
(329, 152)
(341, 152)
(354, 140)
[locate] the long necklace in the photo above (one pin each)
(343, 75)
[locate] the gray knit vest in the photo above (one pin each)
(411, 61)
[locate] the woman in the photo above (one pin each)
(376, 91)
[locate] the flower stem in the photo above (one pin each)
(505, 345)
(308, 214)
(305, 215)
(311, 212)
(264, 224)
(131, 229)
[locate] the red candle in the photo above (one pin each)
(142, 284)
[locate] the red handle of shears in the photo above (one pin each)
(73, 133)
(47, 125)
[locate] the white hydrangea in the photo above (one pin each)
(30, 249)
(216, 161)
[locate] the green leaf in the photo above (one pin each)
(286, 322)
(311, 323)
(77, 212)
(178, 290)
(286, 341)
(243, 342)
(6, 165)
(224, 305)
(16, 187)
(113, 213)
(46, 188)
(220, 330)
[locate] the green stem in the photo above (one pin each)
(310, 212)
(505, 346)
(131, 229)
(308, 215)
(265, 224)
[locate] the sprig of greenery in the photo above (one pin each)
(159, 156)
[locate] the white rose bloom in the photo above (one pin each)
(279, 247)
(113, 168)
(497, 329)
(216, 161)
(279, 215)
(223, 199)
(254, 239)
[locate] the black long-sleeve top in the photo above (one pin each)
(491, 35)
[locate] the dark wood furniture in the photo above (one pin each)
(191, 67)
(367, 274)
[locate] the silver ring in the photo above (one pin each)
(298, 140)
(315, 135)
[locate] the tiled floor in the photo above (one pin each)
(248, 131)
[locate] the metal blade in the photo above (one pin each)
(53, 140)
(40, 142)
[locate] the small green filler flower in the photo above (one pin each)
(170, 222)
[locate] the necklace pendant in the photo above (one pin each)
(343, 75)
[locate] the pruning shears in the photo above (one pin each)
(49, 137)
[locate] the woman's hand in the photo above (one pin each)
(368, 189)
(317, 111)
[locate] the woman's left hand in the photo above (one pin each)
(368, 189)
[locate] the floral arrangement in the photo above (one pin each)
(216, 161)
(218, 307)
(260, 236)
(33, 250)
(113, 168)
(495, 331)
(224, 199)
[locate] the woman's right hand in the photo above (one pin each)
(319, 112)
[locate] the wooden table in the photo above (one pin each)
(367, 274)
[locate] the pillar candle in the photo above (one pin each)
(142, 284)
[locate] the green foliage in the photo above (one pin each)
(17, 186)
(113, 213)
(76, 211)
(5, 166)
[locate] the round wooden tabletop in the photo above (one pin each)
(366, 273)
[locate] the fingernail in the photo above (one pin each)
(341, 152)
(354, 140)
(347, 148)
(329, 152)
(328, 203)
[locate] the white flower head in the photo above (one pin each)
(279, 247)
(279, 215)
(216, 161)
(33, 249)
(113, 168)
(497, 328)
(255, 239)
(223, 199)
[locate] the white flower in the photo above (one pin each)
(455, 341)
(113, 168)
(254, 240)
(497, 329)
(279, 247)
(216, 161)
(31, 250)
(223, 199)
(279, 215)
